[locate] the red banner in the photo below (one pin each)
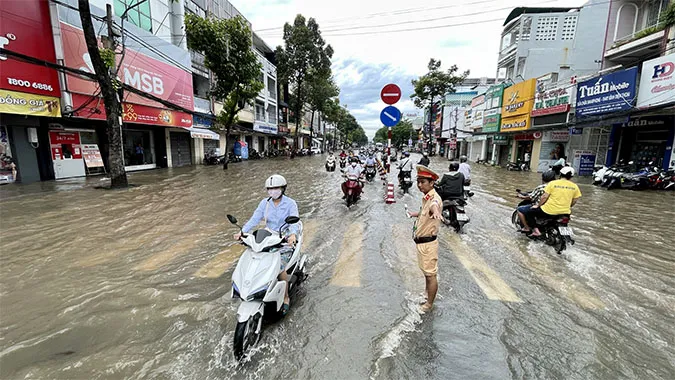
(58, 137)
(25, 28)
(132, 113)
(147, 74)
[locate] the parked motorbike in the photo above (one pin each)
(233, 158)
(406, 183)
(212, 159)
(454, 214)
(599, 174)
(255, 282)
(516, 166)
(554, 231)
(370, 173)
(330, 166)
(352, 190)
(254, 155)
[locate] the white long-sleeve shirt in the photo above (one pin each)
(405, 165)
(353, 172)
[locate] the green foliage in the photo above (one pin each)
(668, 16)
(648, 31)
(108, 57)
(226, 46)
(400, 133)
(435, 83)
(304, 63)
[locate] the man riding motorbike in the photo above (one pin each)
(330, 160)
(353, 171)
(451, 185)
(274, 210)
(558, 199)
(404, 167)
(424, 161)
(534, 197)
(465, 169)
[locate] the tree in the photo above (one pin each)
(304, 50)
(320, 89)
(435, 84)
(226, 46)
(107, 83)
(400, 133)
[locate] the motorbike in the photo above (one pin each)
(467, 189)
(213, 159)
(599, 174)
(516, 166)
(343, 162)
(234, 158)
(255, 282)
(352, 190)
(405, 182)
(454, 214)
(330, 166)
(554, 231)
(370, 173)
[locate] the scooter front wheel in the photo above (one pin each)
(245, 336)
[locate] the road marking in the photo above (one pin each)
(571, 289)
(407, 255)
(157, 260)
(221, 262)
(347, 272)
(494, 287)
(390, 94)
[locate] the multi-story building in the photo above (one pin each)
(537, 41)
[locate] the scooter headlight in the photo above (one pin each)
(259, 295)
(235, 291)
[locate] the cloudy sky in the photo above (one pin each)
(390, 41)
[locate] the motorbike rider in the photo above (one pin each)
(534, 197)
(370, 161)
(451, 185)
(424, 161)
(404, 167)
(558, 199)
(353, 171)
(274, 210)
(330, 160)
(465, 169)
(343, 154)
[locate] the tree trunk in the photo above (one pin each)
(113, 109)
(298, 108)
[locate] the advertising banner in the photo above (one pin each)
(517, 123)
(265, 128)
(29, 104)
(555, 100)
(138, 70)
(557, 136)
(491, 120)
(583, 162)
(92, 156)
(132, 113)
(493, 96)
(608, 93)
(25, 28)
(657, 82)
(519, 99)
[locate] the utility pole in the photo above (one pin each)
(429, 130)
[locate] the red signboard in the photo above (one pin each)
(132, 113)
(560, 108)
(25, 28)
(390, 94)
(58, 137)
(147, 74)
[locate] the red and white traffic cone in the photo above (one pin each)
(389, 196)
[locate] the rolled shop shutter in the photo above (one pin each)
(181, 152)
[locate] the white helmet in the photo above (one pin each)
(567, 170)
(275, 180)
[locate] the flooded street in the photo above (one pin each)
(135, 284)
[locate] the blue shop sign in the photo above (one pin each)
(202, 121)
(608, 93)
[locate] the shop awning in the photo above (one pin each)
(201, 133)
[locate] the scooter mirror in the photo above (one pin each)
(232, 219)
(292, 219)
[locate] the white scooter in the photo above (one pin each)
(255, 282)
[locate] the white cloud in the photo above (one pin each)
(363, 63)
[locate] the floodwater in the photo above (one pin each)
(135, 284)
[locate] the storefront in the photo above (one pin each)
(517, 104)
(550, 114)
(152, 135)
(492, 118)
(596, 98)
(643, 139)
(29, 94)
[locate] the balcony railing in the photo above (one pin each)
(638, 35)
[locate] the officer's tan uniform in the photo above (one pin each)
(425, 231)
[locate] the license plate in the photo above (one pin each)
(462, 217)
(565, 231)
(406, 179)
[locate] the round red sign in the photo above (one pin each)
(390, 94)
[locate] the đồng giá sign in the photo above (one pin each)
(607, 93)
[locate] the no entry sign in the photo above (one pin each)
(390, 94)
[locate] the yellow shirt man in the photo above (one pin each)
(561, 193)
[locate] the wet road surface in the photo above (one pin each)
(135, 284)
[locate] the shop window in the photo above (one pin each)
(8, 170)
(139, 15)
(138, 148)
